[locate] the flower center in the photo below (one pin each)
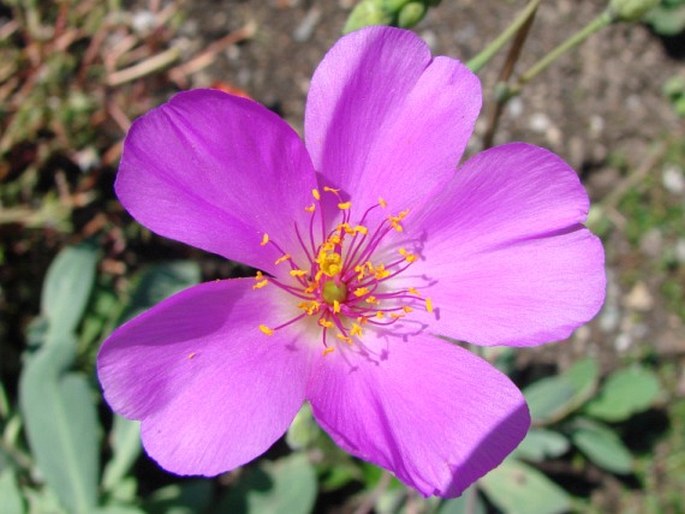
(332, 292)
(348, 284)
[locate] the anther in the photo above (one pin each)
(361, 291)
(266, 330)
(326, 323)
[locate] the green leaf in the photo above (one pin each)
(584, 375)
(461, 505)
(516, 488)
(554, 398)
(10, 494)
(126, 448)
(187, 497)
(160, 281)
(67, 287)
(602, 446)
(541, 444)
(43, 501)
(548, 398)
(303, 431)
(626, 392)
(667, 21)
(286, 485)
(61, 424)
(119, 509)
(124, 492)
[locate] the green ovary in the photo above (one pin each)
(332, 292)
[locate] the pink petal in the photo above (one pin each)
(217, 171)
(507, 253)
(384, 118)
(211, 390)
(434, 414)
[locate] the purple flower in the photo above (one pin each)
(370, 245)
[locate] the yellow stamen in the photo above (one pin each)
(372, 300)
(363, 320)
(297, 273)
(311, 208)
(380, 314)
(429, 305)
(326, 323)
(409, 257)
(330, 189)
(361, 229)
(361, 269)
(282, 259)
(260, 281)
(345, 227)
(407, 309)
(330, 263)
(395, 220)
(343, 206)
(265, 239)
(356, 330)
(380, 272)
(344, 338)
(310, 308)
(336, 306)
(266, 330)
(413, 291)
(328, 350)
(316, 194)
(394, 315)
(382, 203)
(361, 291)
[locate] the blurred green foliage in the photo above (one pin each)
(667, 18)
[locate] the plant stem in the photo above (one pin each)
(496, 109)
(601, 21)
(491, 50)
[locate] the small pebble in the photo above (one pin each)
(673, 180)
(639, 298)
(680, 250)
(515, 107)
(539, 122)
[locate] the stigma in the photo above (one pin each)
(345, 281)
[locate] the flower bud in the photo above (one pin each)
(365, 13)
(631, 10)
(394, 6)
(411, 14)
